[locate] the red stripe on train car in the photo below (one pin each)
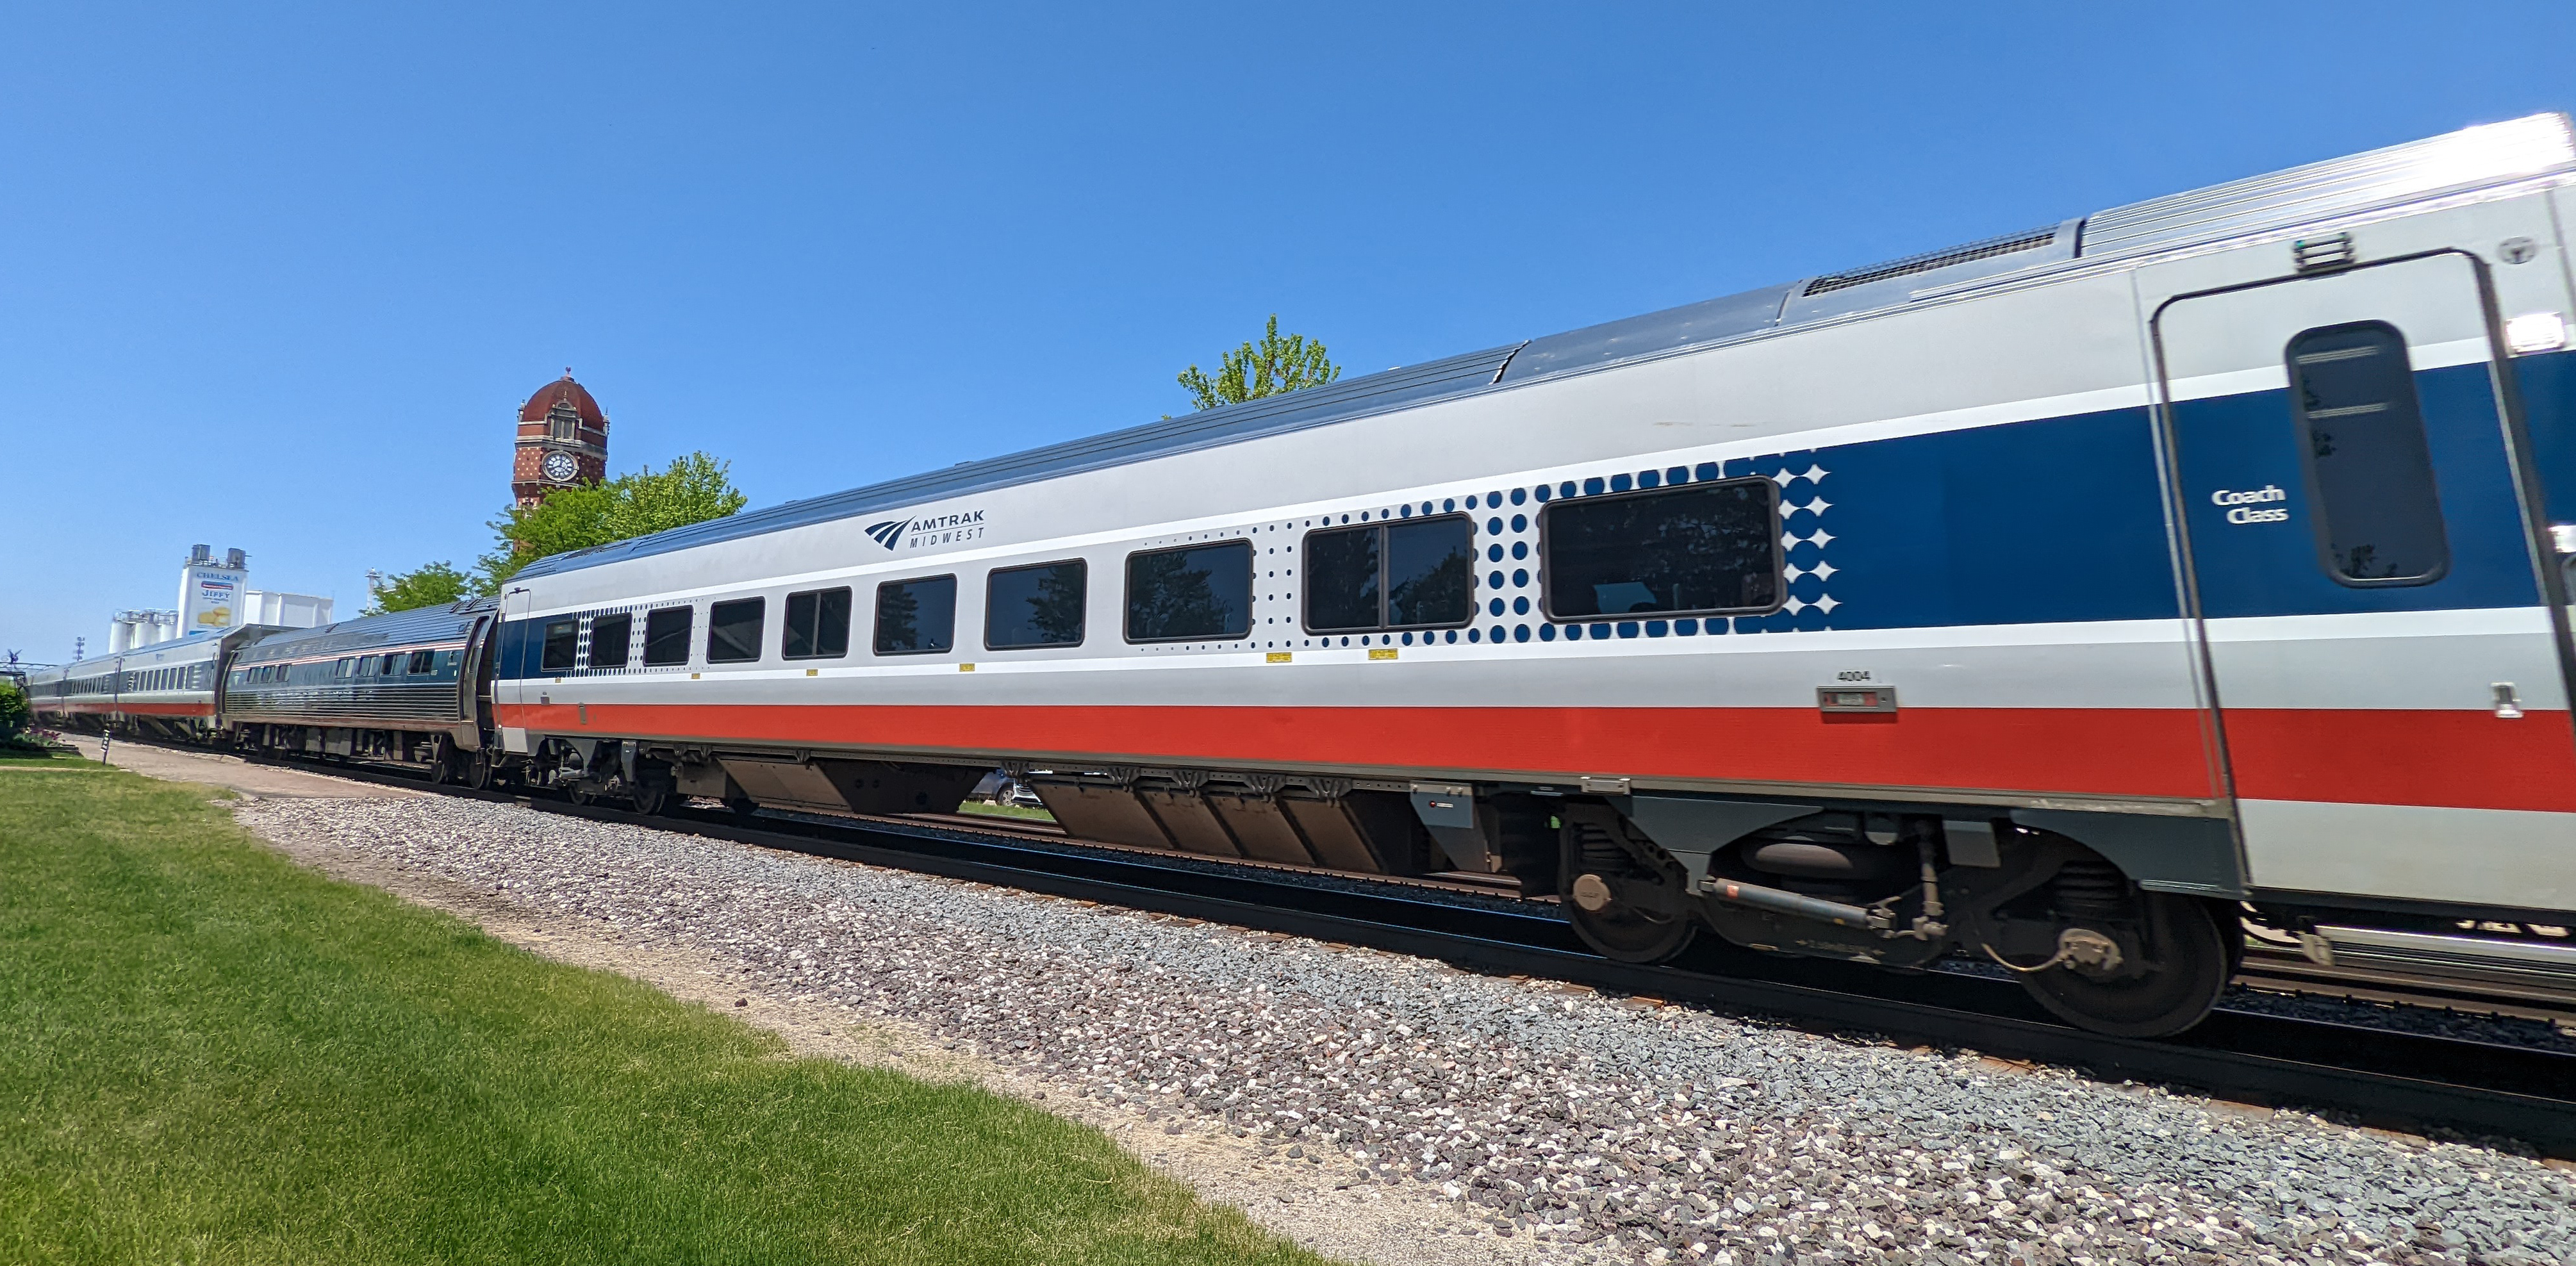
(2110, 752)
(134, 709)
(2452, 760)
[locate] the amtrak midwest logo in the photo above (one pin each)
(937, 529)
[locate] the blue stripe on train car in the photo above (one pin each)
(516, 644)
(2548, 387)
(2056, 519)
(2249, 442)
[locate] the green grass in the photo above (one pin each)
(209, 1054)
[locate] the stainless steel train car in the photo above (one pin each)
(168, 690)
(399, 688)
(2058, 600)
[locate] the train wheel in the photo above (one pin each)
(652, 800)
(2193, 963)
(1610, 917)
(480, 772)
(442, 761)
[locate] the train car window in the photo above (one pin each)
(818, 624)
(1701, 547)
(1413, 575)
(345, 668)
(427, 662)
(916, 617)
(1430, 572)
(733, 630)
(2378, 519)
(389, 668)
(1342, 575)
(666, 636)
(610, 636)
(1196, 592)
(562, 639)
(1029, 607)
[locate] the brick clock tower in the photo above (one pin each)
(563, 442)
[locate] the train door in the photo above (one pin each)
(2387, 657)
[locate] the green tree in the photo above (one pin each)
(14, 712)
(693, 489)
(1267, 368)
(430, 585)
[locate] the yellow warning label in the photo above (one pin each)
(1388, 653)
(1279, 657)
(965, 668)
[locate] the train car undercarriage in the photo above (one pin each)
(1639, 876)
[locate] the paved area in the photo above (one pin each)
(178, 764)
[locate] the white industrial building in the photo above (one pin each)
(214, 597)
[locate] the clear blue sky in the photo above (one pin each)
(275, 277)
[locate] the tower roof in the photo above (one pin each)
(561, 391)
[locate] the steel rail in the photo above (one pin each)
(2374, 1077)
(2274, 970)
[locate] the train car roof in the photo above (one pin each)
(443, 623)
(205, 641)
(2376, 180)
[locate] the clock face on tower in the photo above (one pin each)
(560, 467)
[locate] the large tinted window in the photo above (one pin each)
(1430, 573)
(818, 625)
(2377, 515)
(563, 638)
(1703, 547)
(1035, 606)
(916, 617)
(1201, 591)
(1342, 580)
(609, 639)
(1391, 575)
(666, 636)
(733, 630)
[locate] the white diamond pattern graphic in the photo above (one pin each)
(1817, 506)
(1791, 571)
(1787, 509)
(1826, 604)
(1795, 605)
(1822, 570)
(1819, 539)
(1787, 541)
(1783, 478)
(1815, 474)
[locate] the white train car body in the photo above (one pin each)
(2218, 535)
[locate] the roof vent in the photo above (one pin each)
(1913, 264)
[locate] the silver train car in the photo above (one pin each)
(169, 690)
(404, 688)
(2052, 599)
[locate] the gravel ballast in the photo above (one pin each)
(1569, 1125)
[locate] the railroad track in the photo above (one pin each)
(2276, 970)
(2370, 1076)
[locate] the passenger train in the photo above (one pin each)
(2057, 600)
